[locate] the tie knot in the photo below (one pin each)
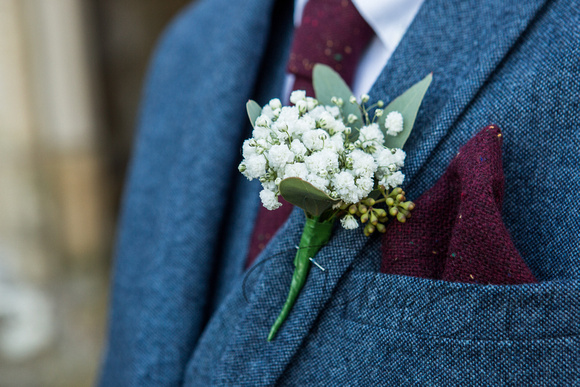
(332, 32)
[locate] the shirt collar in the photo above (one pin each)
(388, 18)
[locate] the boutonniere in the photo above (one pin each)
(336, 158)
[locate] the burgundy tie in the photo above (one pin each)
(332, 32)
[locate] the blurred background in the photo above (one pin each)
(71, 74)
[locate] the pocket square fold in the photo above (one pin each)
(456, 233)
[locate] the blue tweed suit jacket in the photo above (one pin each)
(186, 312)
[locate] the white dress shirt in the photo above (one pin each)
(390, 19)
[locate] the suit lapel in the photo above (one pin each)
(462, 43)
(244, 199)
(187, 152)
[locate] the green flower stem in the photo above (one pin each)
(316, 234)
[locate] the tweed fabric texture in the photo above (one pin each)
(178, 311)
(332, 32)
(456, 232)
(382, 329)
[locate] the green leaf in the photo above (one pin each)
(305, 195)
(408, 105)
(327, 84)
(254, 111)
(375, 194)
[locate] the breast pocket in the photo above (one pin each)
(394, 330)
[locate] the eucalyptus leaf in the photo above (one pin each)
(408, 105)
(305, 195)
(254, 111)
(327, 84)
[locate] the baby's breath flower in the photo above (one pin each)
(339, 127)
(394, 180)
(399, 157)
(255, 167)
(311, 142)
(263, 121)
(371, 135)
(327, 121)
(302, 125)
(365, 184)
(319, 182)
(279, 156)
(316, 112)
(349, 222)
(262, 145)
(302, 106)
(297, 95)
(394, 123)
(322, 162)
(334, 110)
(365, 98)
(336, 143)
(312, 103)
(387, 157)
(275, 103)
(269, 185)
(345, 187)
(337, 101)
(249, 149)
(288, 115)
(363, 163)
(314, 139)
(269, 199)
(298, 148)
(261, 133)
(268, 112)
(296, 170)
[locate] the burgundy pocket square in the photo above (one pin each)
(456, 232)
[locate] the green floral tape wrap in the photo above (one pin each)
(315, 235)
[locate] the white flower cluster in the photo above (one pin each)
(311, 142)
